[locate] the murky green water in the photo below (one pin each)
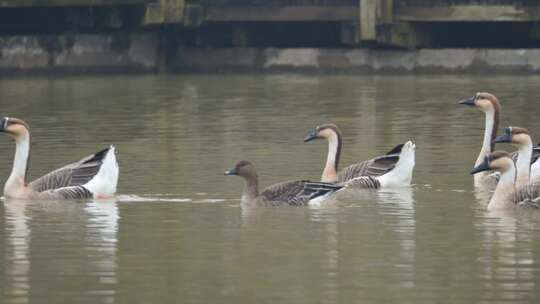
(177, 234)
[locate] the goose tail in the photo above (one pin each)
(103, 184)
(401, 175)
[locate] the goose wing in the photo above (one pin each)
(70, 192)
(296, 193)
(74, 174)
(364, 182)
(528, 196)
(372, 167)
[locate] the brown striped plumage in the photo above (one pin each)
(364, 182)
(74, 174)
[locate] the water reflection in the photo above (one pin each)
(95, 251)
(17, 262)
(102, 227)
(508, 270)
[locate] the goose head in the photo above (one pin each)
(483, 101)
(324, 131)
(515, 135)
(243, 168)
(14, 127)
(500, 161)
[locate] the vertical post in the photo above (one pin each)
(386, 11)
(368, 19)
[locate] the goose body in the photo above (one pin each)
(393, 169)
(507, 194)
(293, 193)
(94, 176)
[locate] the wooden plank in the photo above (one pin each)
(286, 13)
(48, 3)
(368, 19)
(472, 13)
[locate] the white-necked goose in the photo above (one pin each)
(294, 193)
(391, 170)
(526, 154)
(506, 194)
(94, 176)
(489, 104)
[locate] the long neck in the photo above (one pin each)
(523, 163)
(504, 191)
(490, 132)
(20, 162)
(251, 189)
(329, 174)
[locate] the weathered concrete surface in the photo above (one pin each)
(122, 52)
(356, 60)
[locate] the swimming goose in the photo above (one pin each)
(506, 194)
(374, 168)
(294, 193)
(489, 104)
(526, 154)
(94, 176)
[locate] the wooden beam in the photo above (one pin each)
(473, 13)
(283, 13)
(368, 19)
(46, 3)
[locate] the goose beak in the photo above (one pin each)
(314, 134)
(233, 171)
(482, 167)
(469, 101)
(506, 138)
(3, 124)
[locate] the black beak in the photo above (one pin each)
(314, 134)
(506, 138)
(233, 171)
(482, 167)
(3, 124)
(468, 101)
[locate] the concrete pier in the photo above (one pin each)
(352, 35)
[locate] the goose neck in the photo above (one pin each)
(332, 159)
(504, 191)
(523, 163)
(251, 189)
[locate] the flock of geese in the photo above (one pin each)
(515, 177)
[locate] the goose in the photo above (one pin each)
(489, 104)
(506, 194)
(293, 193)
(94, 176)
(526, 154)
(391, 170)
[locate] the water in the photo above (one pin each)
(176, 232)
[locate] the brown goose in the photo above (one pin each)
(506, 194)
(294, 193)
(366, 174)
(489, 104)
(526, 154)
(94, 176)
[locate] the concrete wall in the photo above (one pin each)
(356, 60)
(123, 52)
(140, 52)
